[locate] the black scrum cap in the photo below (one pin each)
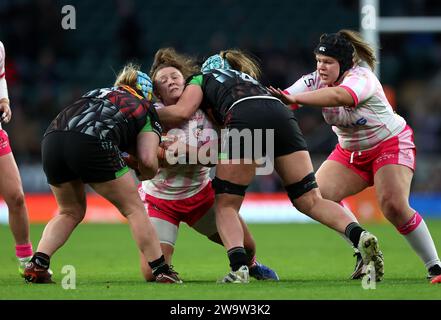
(338, 47)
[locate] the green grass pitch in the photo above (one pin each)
(312, 261)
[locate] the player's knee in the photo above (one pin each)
(75, 213)
(307, 202)
(392, 205)
(298, 189)
(223, 186)
(331, 193)
(15, 201)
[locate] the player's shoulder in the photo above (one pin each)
(360, 71)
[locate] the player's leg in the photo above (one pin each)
(258, 270)
(296, 172)
(71, 200)
(392, 184)
(336, 182)
(12, 192)
(202, 218)
(122, 192)
(146, 270)
(230, 185)
(206, 225)
(167, 234)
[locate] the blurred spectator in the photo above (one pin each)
(129, 31)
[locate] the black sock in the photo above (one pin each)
(41, 259)
(353, 232)
(238, 257)
(250, 256)
(159, 266)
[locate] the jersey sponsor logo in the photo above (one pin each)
(361, 122)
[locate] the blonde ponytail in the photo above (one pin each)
(363, 51)
(128, 76)
(242, 62)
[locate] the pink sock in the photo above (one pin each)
(23, 250)
(418, 235)
(411, 225)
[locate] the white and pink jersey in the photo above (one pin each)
(370, 121)
(2, 60)
(3, 87)
(182, 181)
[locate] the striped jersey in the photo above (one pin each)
(223, 88)
(366, 124)
(3, 88)
(2, 60)
(116, 114)
(182, 181)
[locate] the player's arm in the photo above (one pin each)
(5, 110)
(148, 143)
(147, 146)
(180, 149)
(325, 97)
(188, 103)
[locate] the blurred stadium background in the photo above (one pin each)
(48, 67)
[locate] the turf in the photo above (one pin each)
(312, 261)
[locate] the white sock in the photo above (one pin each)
(418, 236)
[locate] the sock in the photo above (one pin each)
(238, 258)
(355, 220)
(251, 262)
(41, 259)
(353, 231)
(159, 266)
(251, 258)
(23, 250)
(418, 236)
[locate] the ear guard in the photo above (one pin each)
(145, 85)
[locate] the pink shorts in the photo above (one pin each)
(396, 150)
(5, 147)
(188, 210)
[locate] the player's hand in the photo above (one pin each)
(5, 111)
(168, 140)
(177, 148)
(285, 98)
(130, 160)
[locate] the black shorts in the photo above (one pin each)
(248, 117)
(68, 156)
